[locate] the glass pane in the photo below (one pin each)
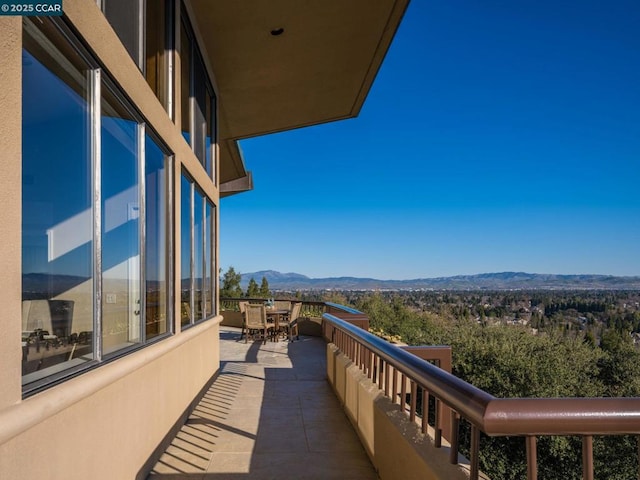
(214, 262)
(124, 17)
(155, 46)
(120, 226)
(200, 106)
(156, 240)
(210, 136)
(57, 230)
(185, 251)
(185, 82)
(208, 311)
(198, 254)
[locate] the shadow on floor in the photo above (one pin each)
(270, 413)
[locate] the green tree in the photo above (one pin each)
(619, 367)
(590, 339)
(335, 297)
(252, 289)
(231, 284)
(264, 288)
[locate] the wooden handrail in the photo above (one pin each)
(526, 417)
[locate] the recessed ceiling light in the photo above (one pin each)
(277, 31)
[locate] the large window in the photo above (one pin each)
(157, 261)
(57, 228)
(95, 214)
(120, 205)
(198, 100)
(186, 242)
(144, 28)
(197, 253)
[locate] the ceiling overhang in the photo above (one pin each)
(238, 185)
(319, 68)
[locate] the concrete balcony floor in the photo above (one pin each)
(269, 414)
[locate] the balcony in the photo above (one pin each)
(271, 411)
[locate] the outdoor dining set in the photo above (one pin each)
(273, 320)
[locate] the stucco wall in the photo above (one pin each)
(397, 448)
(10, 210)
(106, 423)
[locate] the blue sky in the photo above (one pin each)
(498, 136)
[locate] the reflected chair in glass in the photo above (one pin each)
(256, 322)
(290, 323)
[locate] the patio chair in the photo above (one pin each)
(256, 321)
(243, 308)
(290, 323)
(282, 305)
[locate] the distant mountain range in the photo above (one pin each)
(483, 281)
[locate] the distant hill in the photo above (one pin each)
(483, 281)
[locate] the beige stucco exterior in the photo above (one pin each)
(11, 211)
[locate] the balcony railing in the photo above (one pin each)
(409, 382)
(431, 396)
(309, 309)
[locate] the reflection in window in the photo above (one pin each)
(126, 19)
(210, 136)
(197, 253)
(57, 231)
(156, 261)
(198, 101)
(208, 259)
(157, 46)
(185, 82)
(69, 258)
(186, 242)
(142, 28)
(120, 227)
(200, 122)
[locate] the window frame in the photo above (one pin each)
(208, 261)
(207, 155)
(165, 80)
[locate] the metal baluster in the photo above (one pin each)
(437, 424)
(587, 457)
(532, 458)
(387, 374)
(403, 392)
(394, 386)
(414, 400)
(455, 438)
(352, 349)
(638, 440)
(375, 372)
(425, 411)
(475, 453)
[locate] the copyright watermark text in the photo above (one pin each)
(31, 8)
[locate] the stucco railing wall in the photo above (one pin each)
(396, 446)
